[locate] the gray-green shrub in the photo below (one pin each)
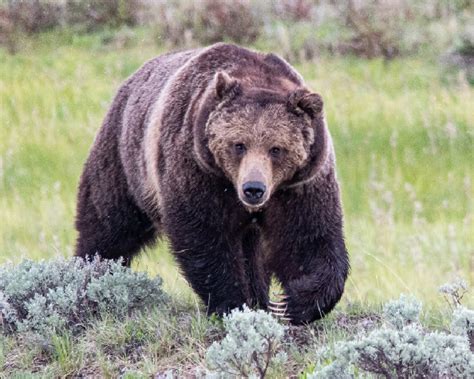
(402, 312)
(251, 345)
(402, 348)
(49, 295)
(463, 324)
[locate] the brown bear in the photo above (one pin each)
(225, 152)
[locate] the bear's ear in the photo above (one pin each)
(303, 101)
(224, 84)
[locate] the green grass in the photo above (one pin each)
(404, 144)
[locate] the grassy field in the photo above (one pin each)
(403, 137)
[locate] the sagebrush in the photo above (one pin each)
(48, 296)
(403, 348)
(252, 343)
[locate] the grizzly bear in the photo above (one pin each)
(225, 152)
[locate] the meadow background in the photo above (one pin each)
(397, 80)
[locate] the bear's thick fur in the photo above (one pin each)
(226, 153)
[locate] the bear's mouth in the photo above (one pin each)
(253, 206)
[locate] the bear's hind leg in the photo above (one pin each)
(109, 223)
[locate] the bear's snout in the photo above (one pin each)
(254, 181)
(254, 191)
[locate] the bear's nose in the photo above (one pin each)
(253, 191)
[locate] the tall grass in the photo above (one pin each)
(403, 138)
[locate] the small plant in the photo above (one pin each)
(403, 311)
(463, 324)
(50, 295)
(454, 291)
(401, 348)
(252, 343)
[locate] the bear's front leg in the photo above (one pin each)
(207, 253)
(318, 284)
(308, 255)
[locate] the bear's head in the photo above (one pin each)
(263, 139)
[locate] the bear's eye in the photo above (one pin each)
(275, 152)
(240, 148)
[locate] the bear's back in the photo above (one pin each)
(142, 90)
(185, 75)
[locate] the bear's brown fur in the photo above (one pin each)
(226, 152)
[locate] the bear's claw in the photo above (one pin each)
(276, 311)
(279, 308)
